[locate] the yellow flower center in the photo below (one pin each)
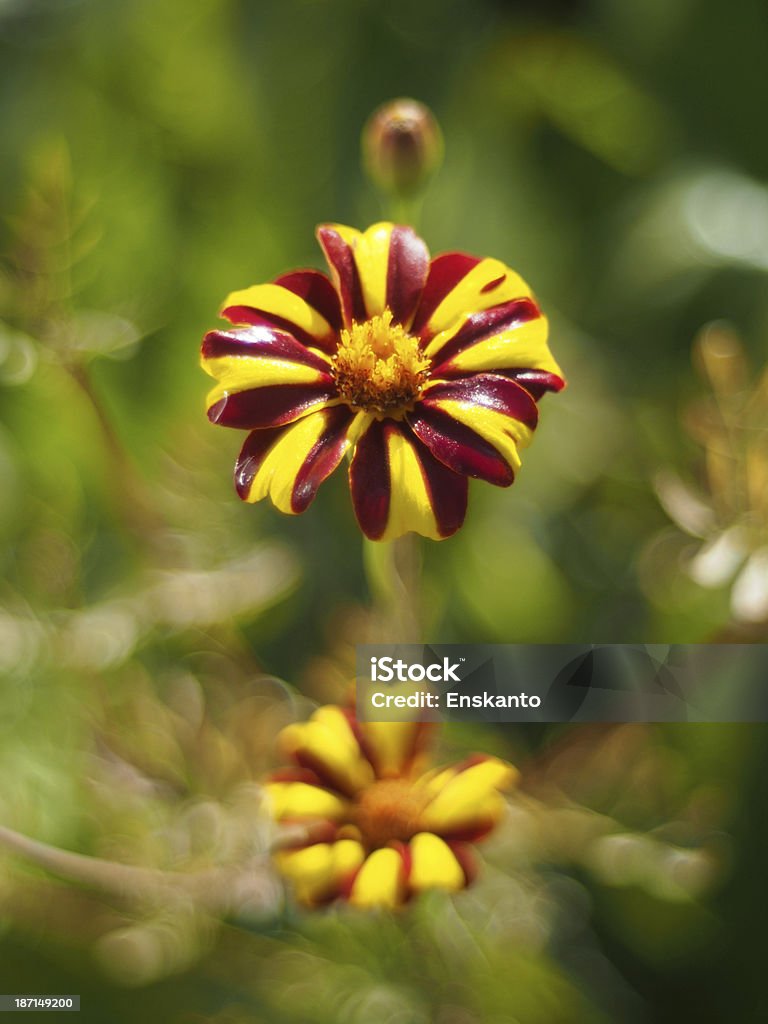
(389, 810)
(379, 367)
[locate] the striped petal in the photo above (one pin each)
(462, 285)
(445, 272)
(535, 382)
(288, 464)
(382, 268)
(326, 745)
(265, 378)
(320, 872)
(467, 801)
(380, 882)
(511, 337)
(434, 865)
(300, 800)
(475, 425)
(303, 303)
(398, 486)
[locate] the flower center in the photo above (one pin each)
(389, 810)
(379, 367)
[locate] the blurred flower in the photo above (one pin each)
(402, 146)
(731, 516)
(385, 828)
(426, 372)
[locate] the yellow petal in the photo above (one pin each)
(434, 865)
(470, 797)
(278, 301)
(410, 503)
(327, 745)
(302, 800)
(381, 881)
(317, 872)
(240, 373)
(391, 744)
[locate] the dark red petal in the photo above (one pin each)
(445, 272)
(323, 458)
(448, 492)
(535, 382)
(262, 341)
(404, 849)
(270, 406)
(369, 481)
(317, 291)
(465, 855)
(406, 272)
(488, 390)
(263, 318)
(341, 261)
(486, 324)
(459, 447)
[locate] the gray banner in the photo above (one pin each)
(56, 1004)
(563, 682)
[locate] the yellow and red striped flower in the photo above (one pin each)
(426, 372)
(381, 827)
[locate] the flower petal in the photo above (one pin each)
(397, 486)
(469, 286)
(302, 303)
(317, 291)
(535, 382)
(326, 745)
(511, 337)
(380, 882)
(391, 746)
(265, 377)
(288, 464)
(320, 872)
(382, 268)
(467, 802)
(407, 267)
(445, 272)
(337, 243)
(475, 425)
(434, 865)
(301, 800)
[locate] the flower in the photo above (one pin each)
(425, 372)
(729, 514)
(381, 827)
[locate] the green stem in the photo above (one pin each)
(405, 209)
(393, 571)
(132, 501)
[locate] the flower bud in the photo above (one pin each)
(402, 146)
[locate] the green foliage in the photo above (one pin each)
(159, 154)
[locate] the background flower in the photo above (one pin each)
(384, 828)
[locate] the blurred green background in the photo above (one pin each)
(159, 154)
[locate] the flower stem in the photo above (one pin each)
(137, 511)
(393, 571)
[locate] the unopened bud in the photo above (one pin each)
(402, 146)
